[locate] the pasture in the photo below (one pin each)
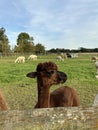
(21, 91)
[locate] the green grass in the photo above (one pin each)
(21, 92)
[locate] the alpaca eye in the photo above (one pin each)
(52, 71)
(49, 73)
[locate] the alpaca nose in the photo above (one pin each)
(62, 77)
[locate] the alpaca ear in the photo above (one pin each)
(32, 75)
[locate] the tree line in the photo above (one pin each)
(81, 49)
(25, 44)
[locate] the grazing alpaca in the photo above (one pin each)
(3, 104)
(32, 57)
(47, 75)
(20, 59)
(59, 58)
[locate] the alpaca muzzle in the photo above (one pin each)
(62, 77)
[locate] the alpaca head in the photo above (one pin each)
(47, 74)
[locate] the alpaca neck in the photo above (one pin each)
(43, 96)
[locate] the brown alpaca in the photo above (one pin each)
(3, 104)
(47, 75)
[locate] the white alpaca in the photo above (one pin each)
(20, 59)
(32, 57)
(96, 65)
(94, 58)
(59, 58)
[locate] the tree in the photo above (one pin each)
(4, 42)
(24, 43)
(39, 48)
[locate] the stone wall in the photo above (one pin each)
(50, 119)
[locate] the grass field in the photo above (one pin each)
(21, 92)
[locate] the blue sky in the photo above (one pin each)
(68, 24)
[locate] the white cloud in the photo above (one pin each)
(65, 24)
